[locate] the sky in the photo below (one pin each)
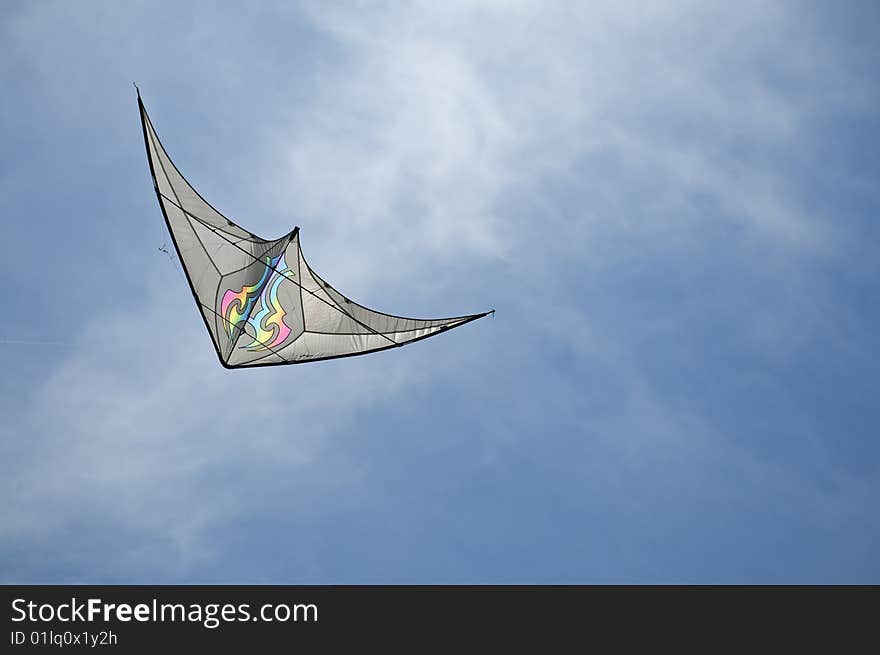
(671, 206)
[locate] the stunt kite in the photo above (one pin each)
(262, 303)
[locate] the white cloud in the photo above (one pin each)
(440, 113)
(153, 436)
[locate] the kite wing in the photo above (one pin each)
(262, 303)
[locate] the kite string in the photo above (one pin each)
(172, 259)
(28, 342)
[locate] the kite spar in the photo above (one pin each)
(261, 302)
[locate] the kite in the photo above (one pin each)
(261, 302)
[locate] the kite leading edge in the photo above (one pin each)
(261, 302)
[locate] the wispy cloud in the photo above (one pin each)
(440, 117)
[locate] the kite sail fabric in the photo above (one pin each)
(262, 303)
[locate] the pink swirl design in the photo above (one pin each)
(268, 321)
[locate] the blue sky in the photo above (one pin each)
(673, 208)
